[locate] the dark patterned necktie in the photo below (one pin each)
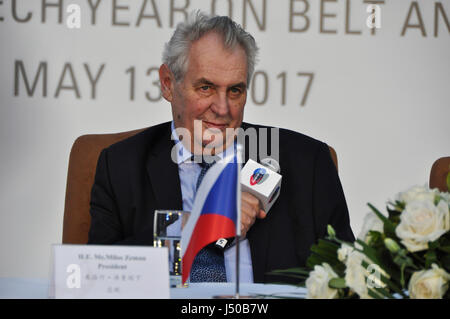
(209, 264)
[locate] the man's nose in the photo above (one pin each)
(220, 104)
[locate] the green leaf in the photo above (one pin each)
(378, 213)
(437, 199)
(374, 294)
(445, 238)
(324, 253)
(369, 252)
(292, 271)
(434, 244)
(402, 275)
(389, 227)
(323, 250)
(393, 212)
(301, 277)
(430, 258)
(402, 259)
(382, 292)
(448, 181)
(298, 273)
(375, 238)
(445, 249)
(337, 283)
(326, 244)
(400, 206)
(315, 259)
(446, 262)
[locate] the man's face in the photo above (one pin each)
(213, 91)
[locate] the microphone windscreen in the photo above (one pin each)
(262, 182)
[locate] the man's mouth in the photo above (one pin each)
(217, 125)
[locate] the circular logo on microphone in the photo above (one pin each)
(258, 176)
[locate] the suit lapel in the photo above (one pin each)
(163, 173)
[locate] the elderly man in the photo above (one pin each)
(208, 64)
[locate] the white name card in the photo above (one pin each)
(90, 271)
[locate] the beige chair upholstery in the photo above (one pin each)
(80, 178)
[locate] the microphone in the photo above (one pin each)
(262, 181)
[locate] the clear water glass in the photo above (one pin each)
(167, 228)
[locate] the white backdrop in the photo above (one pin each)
(379, 97)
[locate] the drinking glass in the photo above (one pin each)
(167, 228)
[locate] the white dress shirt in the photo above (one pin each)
(189, 172)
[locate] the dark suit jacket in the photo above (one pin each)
(137, 176)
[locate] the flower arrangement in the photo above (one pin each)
(405, 254)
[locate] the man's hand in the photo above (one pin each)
(250, 209)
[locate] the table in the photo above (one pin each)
(37, 288)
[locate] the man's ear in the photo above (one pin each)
(167, 82)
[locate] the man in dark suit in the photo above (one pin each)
(207, 67)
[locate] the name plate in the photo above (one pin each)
(90, 271)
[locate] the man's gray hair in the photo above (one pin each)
(176, 51)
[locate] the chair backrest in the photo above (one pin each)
(333, 156)
(80, 178)
(438, 174)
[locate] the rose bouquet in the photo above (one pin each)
(405, 254)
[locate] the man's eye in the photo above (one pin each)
(205, 87)
(235, 90)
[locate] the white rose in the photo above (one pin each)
(344, 251)
(317, 283)
(422, 222)
(371, 222)
(417, 193)
(429, 284)
(355, 274)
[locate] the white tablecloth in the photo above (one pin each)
(33, 288)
